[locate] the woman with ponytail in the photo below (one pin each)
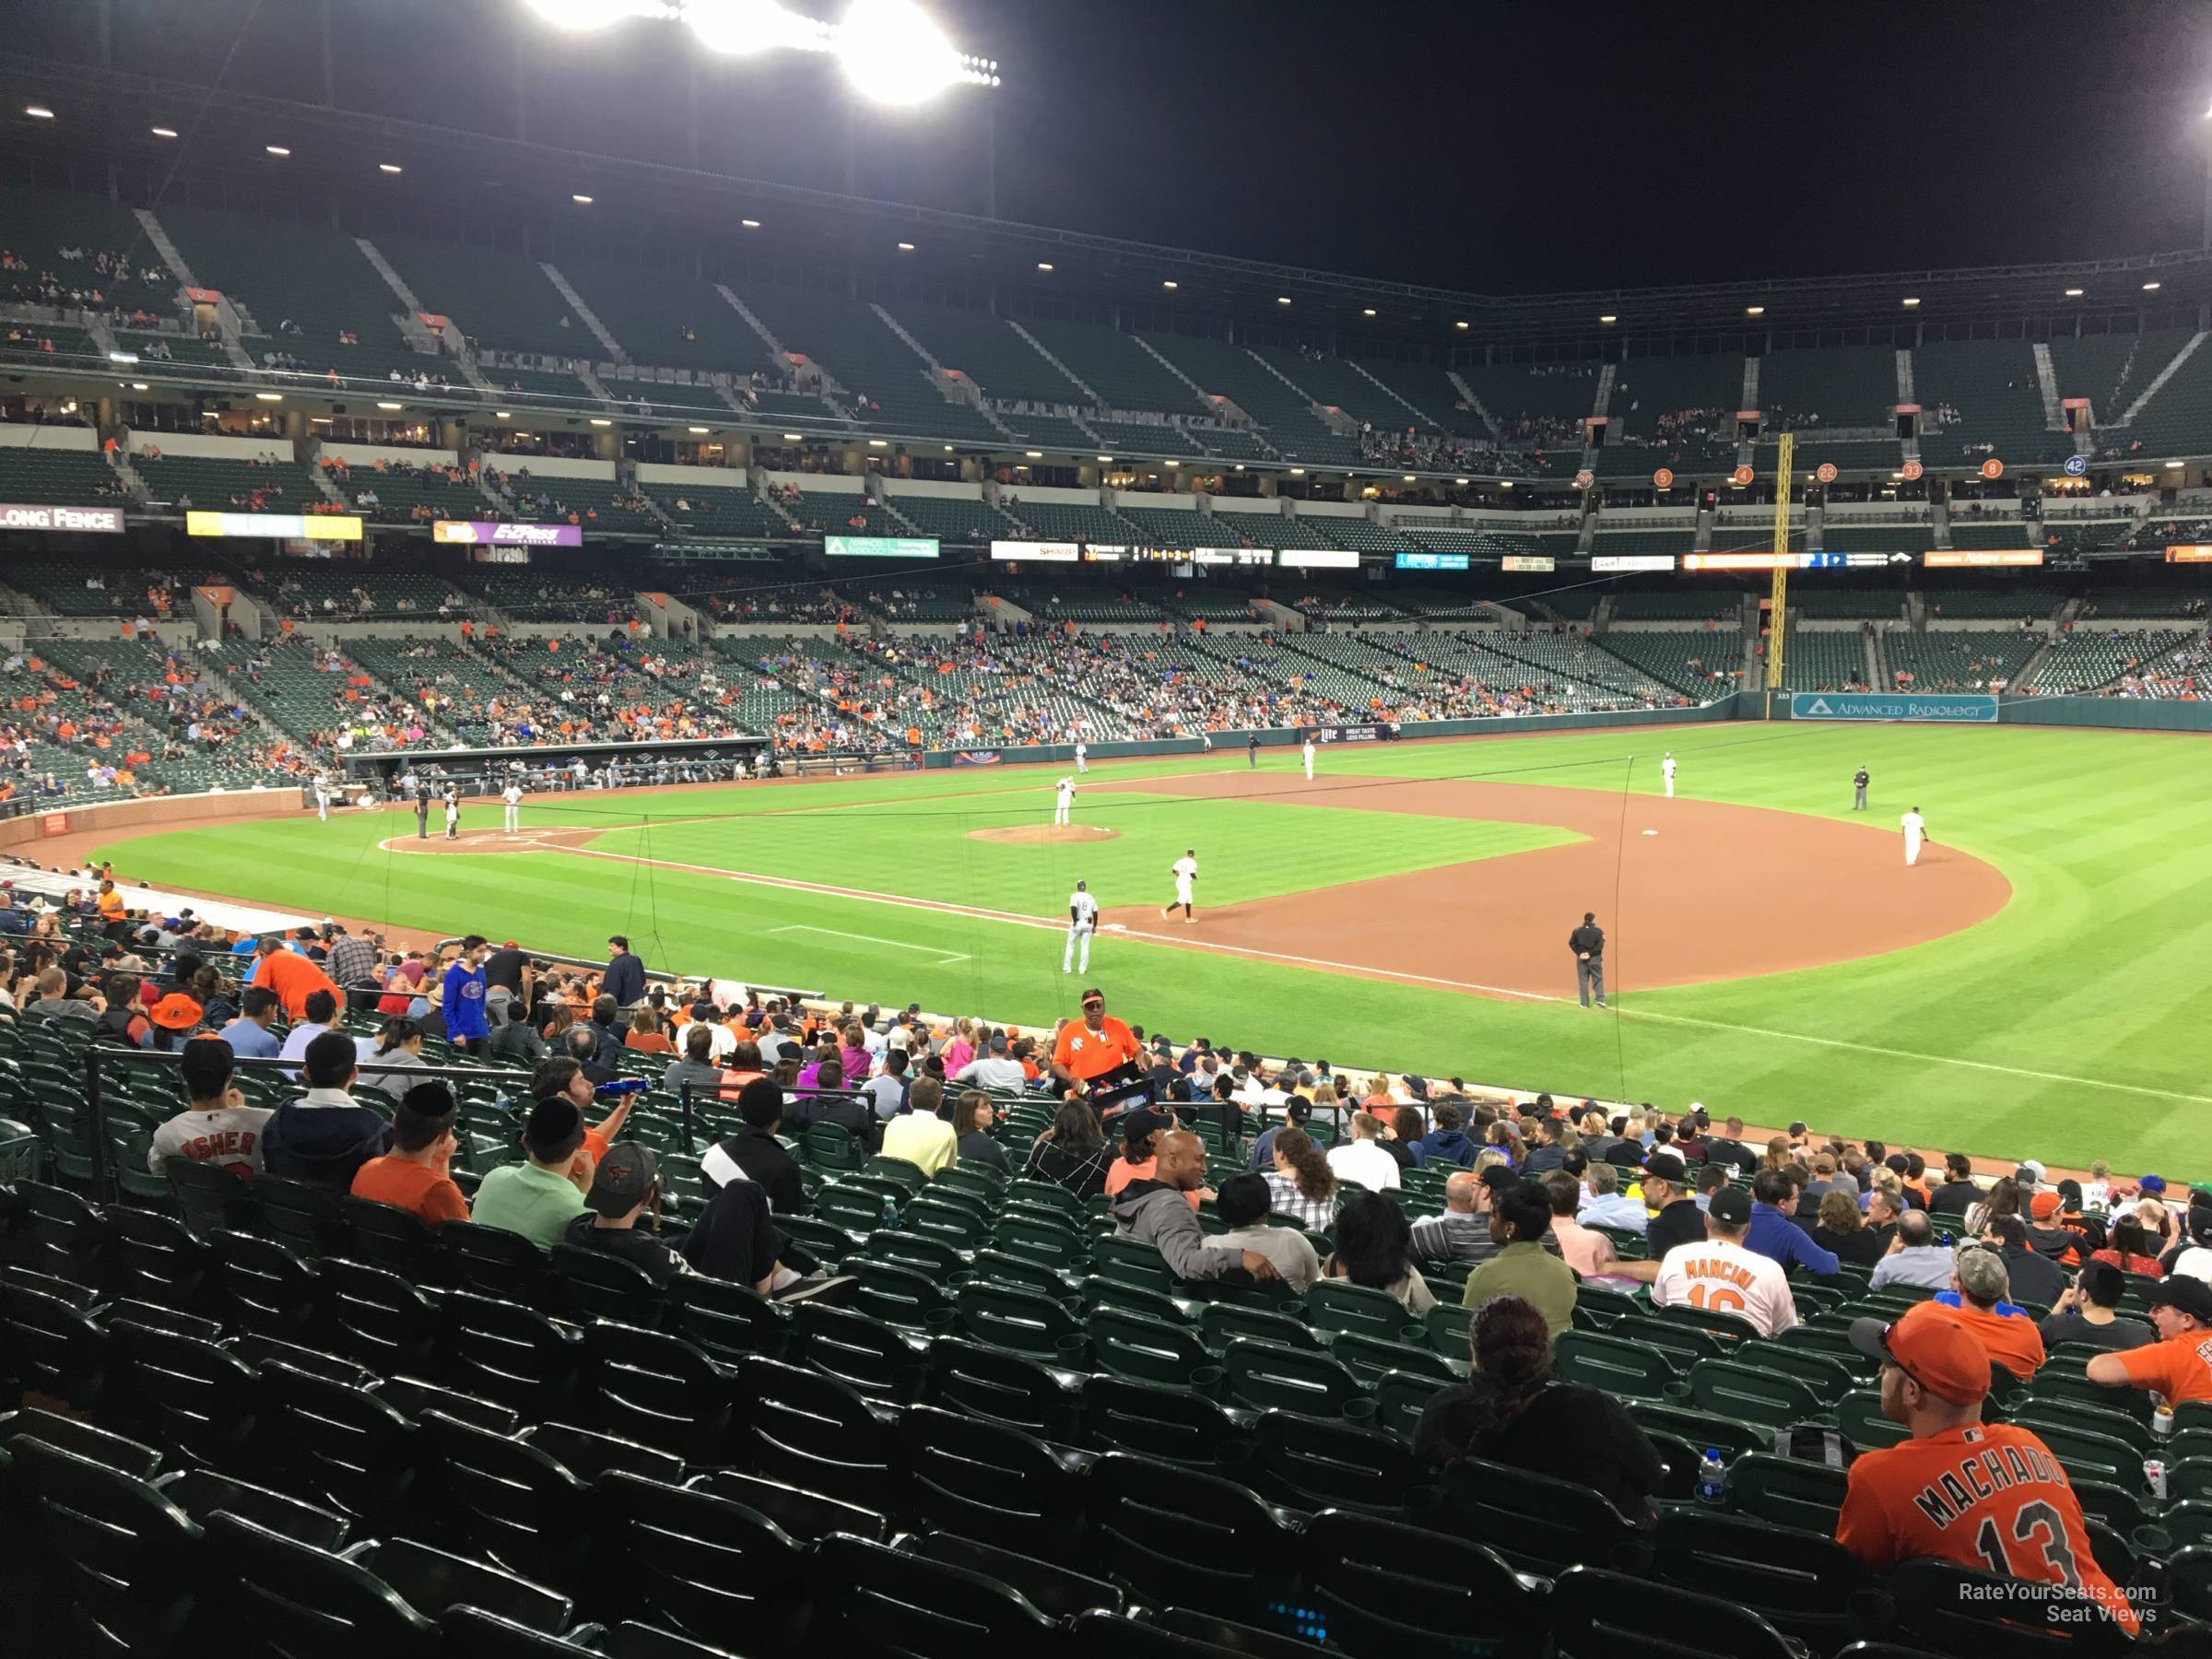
(1513, 1411)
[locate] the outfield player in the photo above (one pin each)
(1988, 1496)
(1306, 754)
(1082, 756)
(1666, 771)
(1720, 1273)
(321, 789)
(1916, 830)
(512, 797)
(1185, 871)
(453, 812)
(1858, 790)
(1063, 800)
(1082, 922)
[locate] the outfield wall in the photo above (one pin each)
(23, 834)
(2125, 714)
(1735, 706)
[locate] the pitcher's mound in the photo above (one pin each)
(1030, 835)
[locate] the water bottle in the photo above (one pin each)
(1712, 1477)
(890, 1215)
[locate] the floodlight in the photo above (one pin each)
(894, 53)
(740, 28)
(581, 17)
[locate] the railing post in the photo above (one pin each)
(95, 1110)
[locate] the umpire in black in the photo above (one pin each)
(422, 810)
(1588, 943)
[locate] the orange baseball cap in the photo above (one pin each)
(2043, 1206)
(175, 1012)
(1930, 1345)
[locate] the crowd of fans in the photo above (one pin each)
(84, 281)
(1528, 1212)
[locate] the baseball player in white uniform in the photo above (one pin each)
(1720, 1276)
(1666, 771)
(1082, 922)
(1185, 871)
(1063, 801)
(513, 796)
(1306, 754)
(453, 813)
(321, 789)
(1916, 830)
(1082, 756)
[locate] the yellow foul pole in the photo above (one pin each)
(1778, 615)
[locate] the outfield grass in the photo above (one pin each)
(2066, 1025)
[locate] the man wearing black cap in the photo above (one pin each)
(1988, 1496)
(1588, 944)
(1721, 1275)
(624, 1183)
(1666, 1189)
(2178, 1365)
(1520, 1222)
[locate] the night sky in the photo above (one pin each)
(1501, 148)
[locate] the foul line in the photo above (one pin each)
(942, 906)
(1897, 1053)
(948, 956)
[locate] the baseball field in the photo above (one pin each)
(2035, 983)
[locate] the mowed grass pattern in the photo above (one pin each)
(2067, 1026)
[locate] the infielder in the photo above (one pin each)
(1666, 771)
(453, 813)
(321, 789)
(513, 796)
(1082, 922)
(1185, 871)
(1082, 756)
(1858, 790)
(1306, 754)
(1063, 800)
(1916, 830)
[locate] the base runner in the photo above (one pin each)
(1185, 871)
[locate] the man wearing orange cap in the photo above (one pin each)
(1989, 1496)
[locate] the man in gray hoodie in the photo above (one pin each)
(1157, 1213)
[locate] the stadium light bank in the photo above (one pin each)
(891, 51)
